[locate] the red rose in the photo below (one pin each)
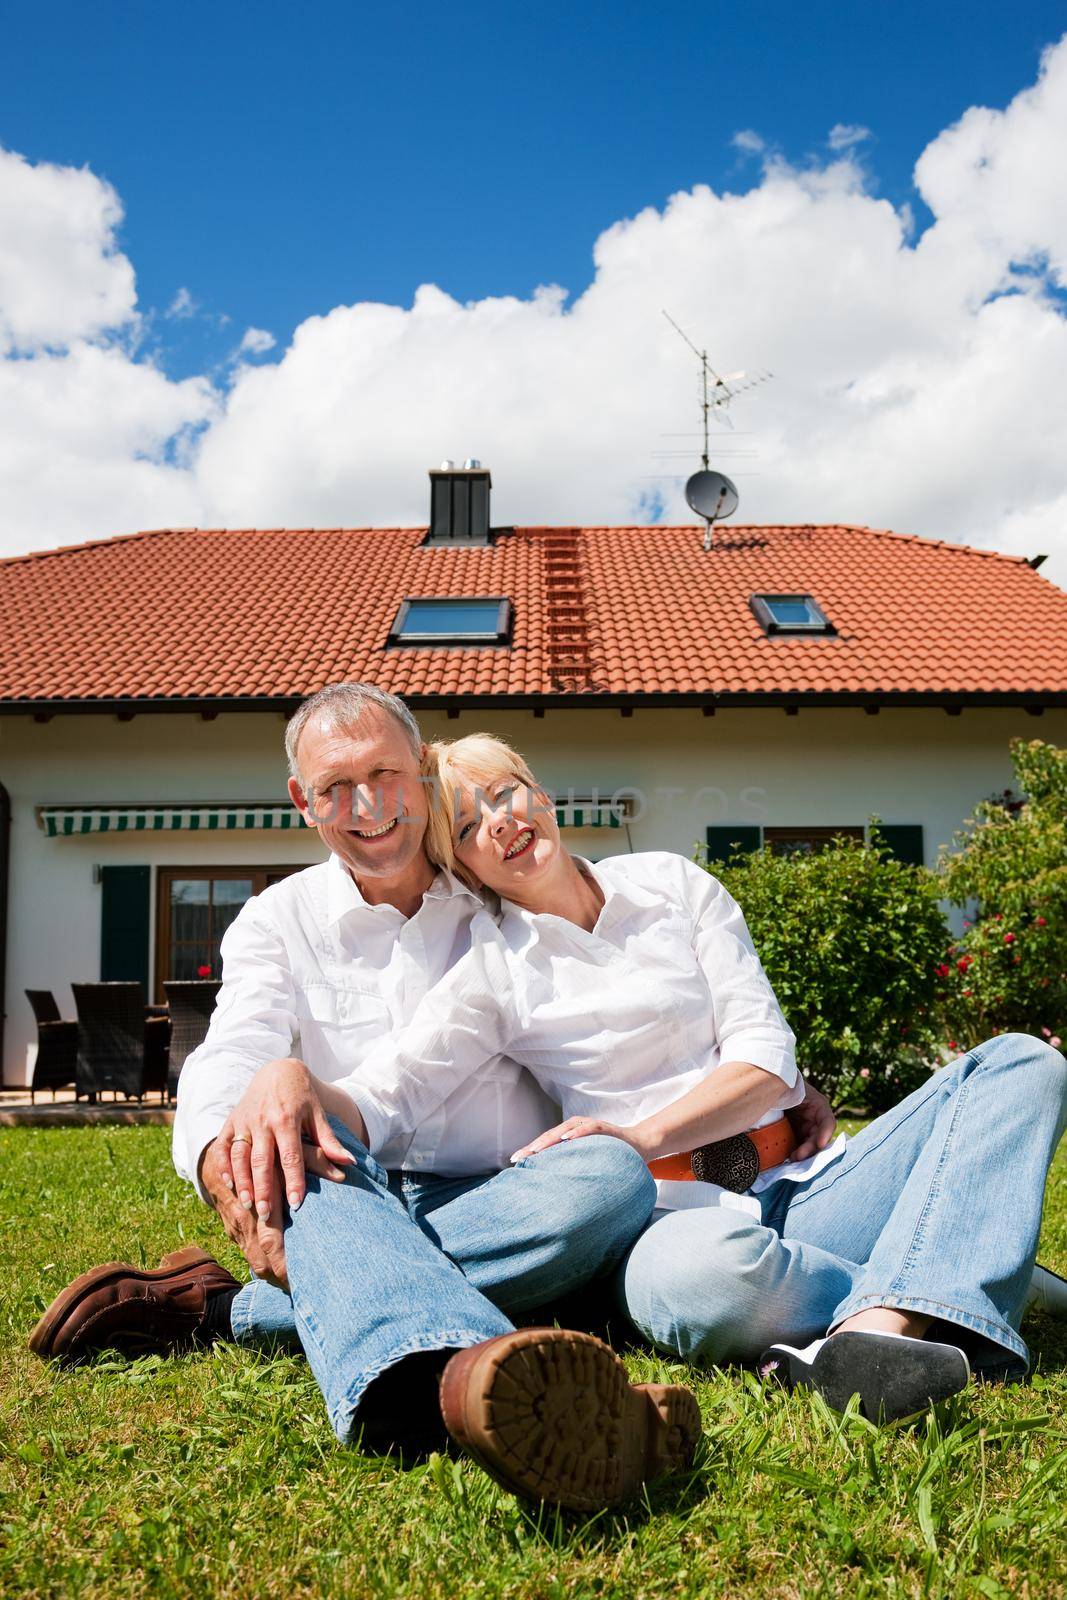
(1009, 938)
(1039, 922)
(203, 972)
(943, 970)
(964, 962)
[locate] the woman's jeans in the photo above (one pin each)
(385, 1265)
(935, 1207)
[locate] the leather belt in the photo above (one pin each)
(733, 1163)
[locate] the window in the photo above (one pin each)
(196, 906)
(790, 613)
(452, 620)
(729, 840)
(806, 841)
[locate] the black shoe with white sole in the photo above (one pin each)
(894, 1376)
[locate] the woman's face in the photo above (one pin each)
(505, 834)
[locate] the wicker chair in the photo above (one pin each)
(191, 1004)
(119, 1048)
(57, 1046)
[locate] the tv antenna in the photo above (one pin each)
(716, 392)
(710, 494)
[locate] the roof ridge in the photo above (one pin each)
(92, 544)
(946, 544)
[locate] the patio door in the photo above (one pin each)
(195, 907)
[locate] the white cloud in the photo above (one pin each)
(918, 376)
(182, 306)
(91, 437)
(843, 135)
(749, 142)
(60, 275)
(256, 342)
(995, 179)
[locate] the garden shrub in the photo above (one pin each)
(851, 940)
(1008, 970)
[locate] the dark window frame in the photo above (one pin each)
(816, 835)
(261, 877)
(489, 639)
(760, 605)
(731, 840)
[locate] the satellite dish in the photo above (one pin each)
(711, 495)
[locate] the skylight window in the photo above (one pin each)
(452, 620)
(790, 613)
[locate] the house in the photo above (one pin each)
(787, 683)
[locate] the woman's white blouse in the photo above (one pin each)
(616, 1024)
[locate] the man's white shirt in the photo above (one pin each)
(310, 969)
(616, 1023)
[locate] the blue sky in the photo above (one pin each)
(277, 160)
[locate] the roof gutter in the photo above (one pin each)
(708, 700)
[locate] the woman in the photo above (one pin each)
(632, 991)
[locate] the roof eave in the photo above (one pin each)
(209, 706)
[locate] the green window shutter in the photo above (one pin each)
(740, 838)
(905, 841)
(124, 924)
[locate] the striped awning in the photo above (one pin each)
(226, 816)
(586, 814)
(61, 822)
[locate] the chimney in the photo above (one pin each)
(459, 505)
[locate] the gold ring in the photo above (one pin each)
(241, 1138)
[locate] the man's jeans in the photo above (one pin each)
(385, 1265)
(935, 1207)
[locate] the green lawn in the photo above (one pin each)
(216, 1474)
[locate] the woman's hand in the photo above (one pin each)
(279, 1124)
(581, 1128)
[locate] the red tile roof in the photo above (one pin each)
(272, 614)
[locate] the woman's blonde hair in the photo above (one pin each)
(478, 760)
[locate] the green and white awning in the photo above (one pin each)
(589, 814)
(223, 816)
(227, 816)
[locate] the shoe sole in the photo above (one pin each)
(895, 1379)
(552, 1416)
(178, 1261)
(1048, 1292)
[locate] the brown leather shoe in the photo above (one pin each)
(119, 1307)
(552, 1416)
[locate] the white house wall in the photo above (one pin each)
(683, 770)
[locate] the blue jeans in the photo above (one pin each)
(935, 1207)
(383, 1266)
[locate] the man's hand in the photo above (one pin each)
(259, 1239)
(276, 1132)
(813, 1123)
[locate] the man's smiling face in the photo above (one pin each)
(360, 788)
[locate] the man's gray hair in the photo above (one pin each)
(341, 705)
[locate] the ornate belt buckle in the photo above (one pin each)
(731, 1163)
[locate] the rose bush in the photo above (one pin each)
(1008, 870)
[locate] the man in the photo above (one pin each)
(398, 1280)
